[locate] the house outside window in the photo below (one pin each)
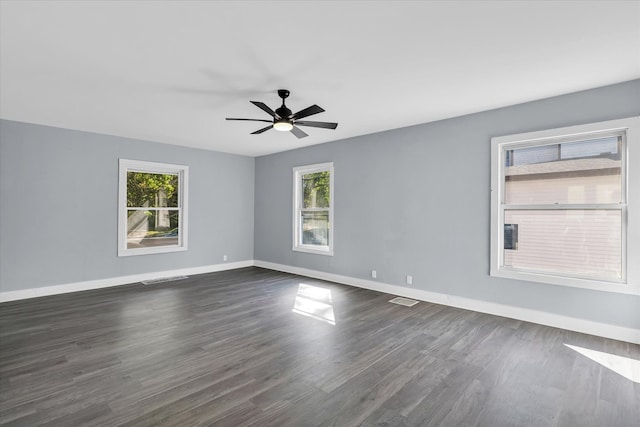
(313, 209)
(152, 208)
(560, 206)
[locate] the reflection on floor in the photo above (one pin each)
(315, 302)
(625, 366)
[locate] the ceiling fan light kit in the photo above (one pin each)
(286, 121)
(283, 126)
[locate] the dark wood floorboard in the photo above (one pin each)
(227, 349)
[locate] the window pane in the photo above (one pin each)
(152, 189)
(602, 147)
(315, 187)
(152, 228)
(572, 242)
(574, 173)
(532, 155)
(315, 228)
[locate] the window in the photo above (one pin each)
(152, 208)
(313, 209)
(560, 206)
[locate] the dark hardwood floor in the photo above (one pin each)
(254, 347)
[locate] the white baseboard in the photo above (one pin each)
(534, 316)
(117, 281)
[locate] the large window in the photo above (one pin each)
(561, 206)
(152, 206)
(313, 209)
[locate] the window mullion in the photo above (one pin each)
(314, 209)
(547, 207)
(153, 208)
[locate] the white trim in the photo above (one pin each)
(573, 281)
(297, 208)
(534, 316)
(117, 281)
(630, 282)
(125, 165)
(569, 133)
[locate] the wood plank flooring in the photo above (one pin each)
(228, 349)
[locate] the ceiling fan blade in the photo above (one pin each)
(298, 132)
(309, 111)
(264, 129)
(325, 125)
(250, 120)
(264, 107)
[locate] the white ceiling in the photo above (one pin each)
(172, 71)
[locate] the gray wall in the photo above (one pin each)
(416, 201)
(58, 211)
(408, 201)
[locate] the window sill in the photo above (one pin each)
(318, 250)
(598, 285)
(149, 251)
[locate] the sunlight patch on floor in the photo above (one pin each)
(621, 365)
(315, 302)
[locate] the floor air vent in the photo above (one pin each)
(163, 279)
(404, 301)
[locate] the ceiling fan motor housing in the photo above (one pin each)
(283, 112)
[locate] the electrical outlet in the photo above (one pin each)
(374, 274)
(409, 280)
(224, 257)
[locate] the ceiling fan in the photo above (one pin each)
(284, 120)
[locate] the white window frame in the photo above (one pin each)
(125, 166)
(298, 172)
(629, 128)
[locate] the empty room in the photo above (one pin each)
(320, 213)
